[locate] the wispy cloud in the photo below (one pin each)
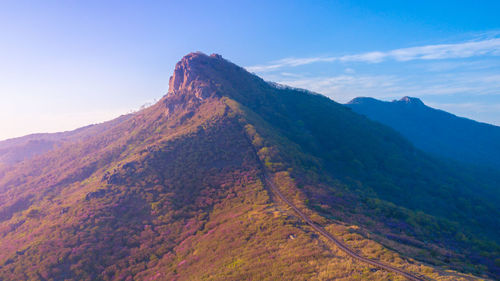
(345, 87)
(468, 49)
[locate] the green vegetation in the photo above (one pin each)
(390, 187)
(175, 192)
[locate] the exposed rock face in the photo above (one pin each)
(188, 77)
(193, 81)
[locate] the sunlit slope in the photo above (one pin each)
(176, 192)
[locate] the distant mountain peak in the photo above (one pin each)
(403, 100)
(406, 100)
(410, 100)
(362, 100)
(435, 131)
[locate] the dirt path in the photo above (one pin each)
(337, 242)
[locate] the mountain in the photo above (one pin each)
(229, 177)
(436, 131)
(13, 151)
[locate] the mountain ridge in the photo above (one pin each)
(436, 131)
(176, 192)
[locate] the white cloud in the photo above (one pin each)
(429, 52)
(448, 51)
(345, 87)
(372, 57)
(288, 62)
(462, 85)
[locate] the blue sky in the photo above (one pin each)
(65, 64)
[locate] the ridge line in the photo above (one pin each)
(337, 242)
(322, 231)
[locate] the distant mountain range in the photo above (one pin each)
(229, 177)
(436, 131)
(15, 150)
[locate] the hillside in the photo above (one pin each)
(188, 189)
(15, 150)
(436, 131)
